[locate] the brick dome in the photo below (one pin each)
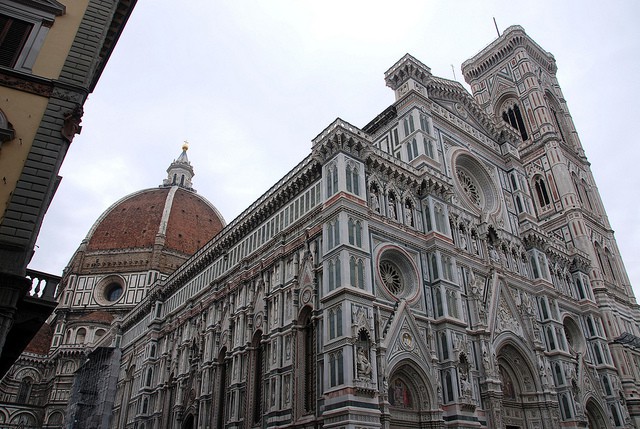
(173, 217)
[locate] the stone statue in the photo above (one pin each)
(362, 364)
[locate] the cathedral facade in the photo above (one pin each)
(448, 265)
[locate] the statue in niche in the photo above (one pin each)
(408, 214)
(363, 365)
(374, 199)
(391, 207)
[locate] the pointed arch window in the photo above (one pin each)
(256, 376)
(355, 232)
(336, 368)
(513, 117)
(541, 191)
(24, 391)
(332, 179)
(335, 322)
(334, 273)
(356, 271)
(412, 149)
(353, 179)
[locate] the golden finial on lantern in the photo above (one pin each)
(185, 145)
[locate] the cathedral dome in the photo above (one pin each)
(156, 229)
(176, 217)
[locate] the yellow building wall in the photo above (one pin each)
(58, 42)
(25, 112)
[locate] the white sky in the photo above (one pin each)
(250, 83)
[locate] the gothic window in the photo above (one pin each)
(447, 268)
(541, 191)
(437, 298)
(452, 304)
(332, 179)
(514, 182)
(616, 415)
(607, 385)
(565, 406)
(353, 179)
(428, 148)
(333, 233)
(424, 124)
(412, 149)
(519, 206)
(513, 117)
(434, 267)
(580, 288)
(256, 376)
(558, 374)
(448, 393)
(24, 391)
(307, 363)
(334, 273)
(336, 369)
(355, 232)
(356, 272)
(444, 346)
(409, 126)
(149, 377)
(335, 322)
(544, 309)
(440, 218)
(551, 341)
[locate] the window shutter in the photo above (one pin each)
(13, 35)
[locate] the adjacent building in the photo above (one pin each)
(51, 56)
(448, 265)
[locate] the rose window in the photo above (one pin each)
(469, 187)
(391, 277)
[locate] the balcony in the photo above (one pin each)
(31, 313)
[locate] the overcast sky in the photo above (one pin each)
(250, 83)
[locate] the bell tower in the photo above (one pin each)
(514, 81)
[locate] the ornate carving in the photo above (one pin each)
(71, 125)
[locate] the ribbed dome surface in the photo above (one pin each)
(181, 218)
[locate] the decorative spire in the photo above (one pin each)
(180, 171)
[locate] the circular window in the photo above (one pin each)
(109, 290)
(391, 277)
(397, 273)
(113, 292)
(475, 185)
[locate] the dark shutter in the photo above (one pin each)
(13, 35)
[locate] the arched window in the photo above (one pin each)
(81, 335)
(332, 180)
(223, 382)
(24, 391)
(428, 148)
(513, 117)
(355, 232)
(356, 271)
(149, 378)
(412, 149)
(541, 191)
(353, 179)
(334, 273)
(256, 376)
(306, 362)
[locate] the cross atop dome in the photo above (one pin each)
(180, 171)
